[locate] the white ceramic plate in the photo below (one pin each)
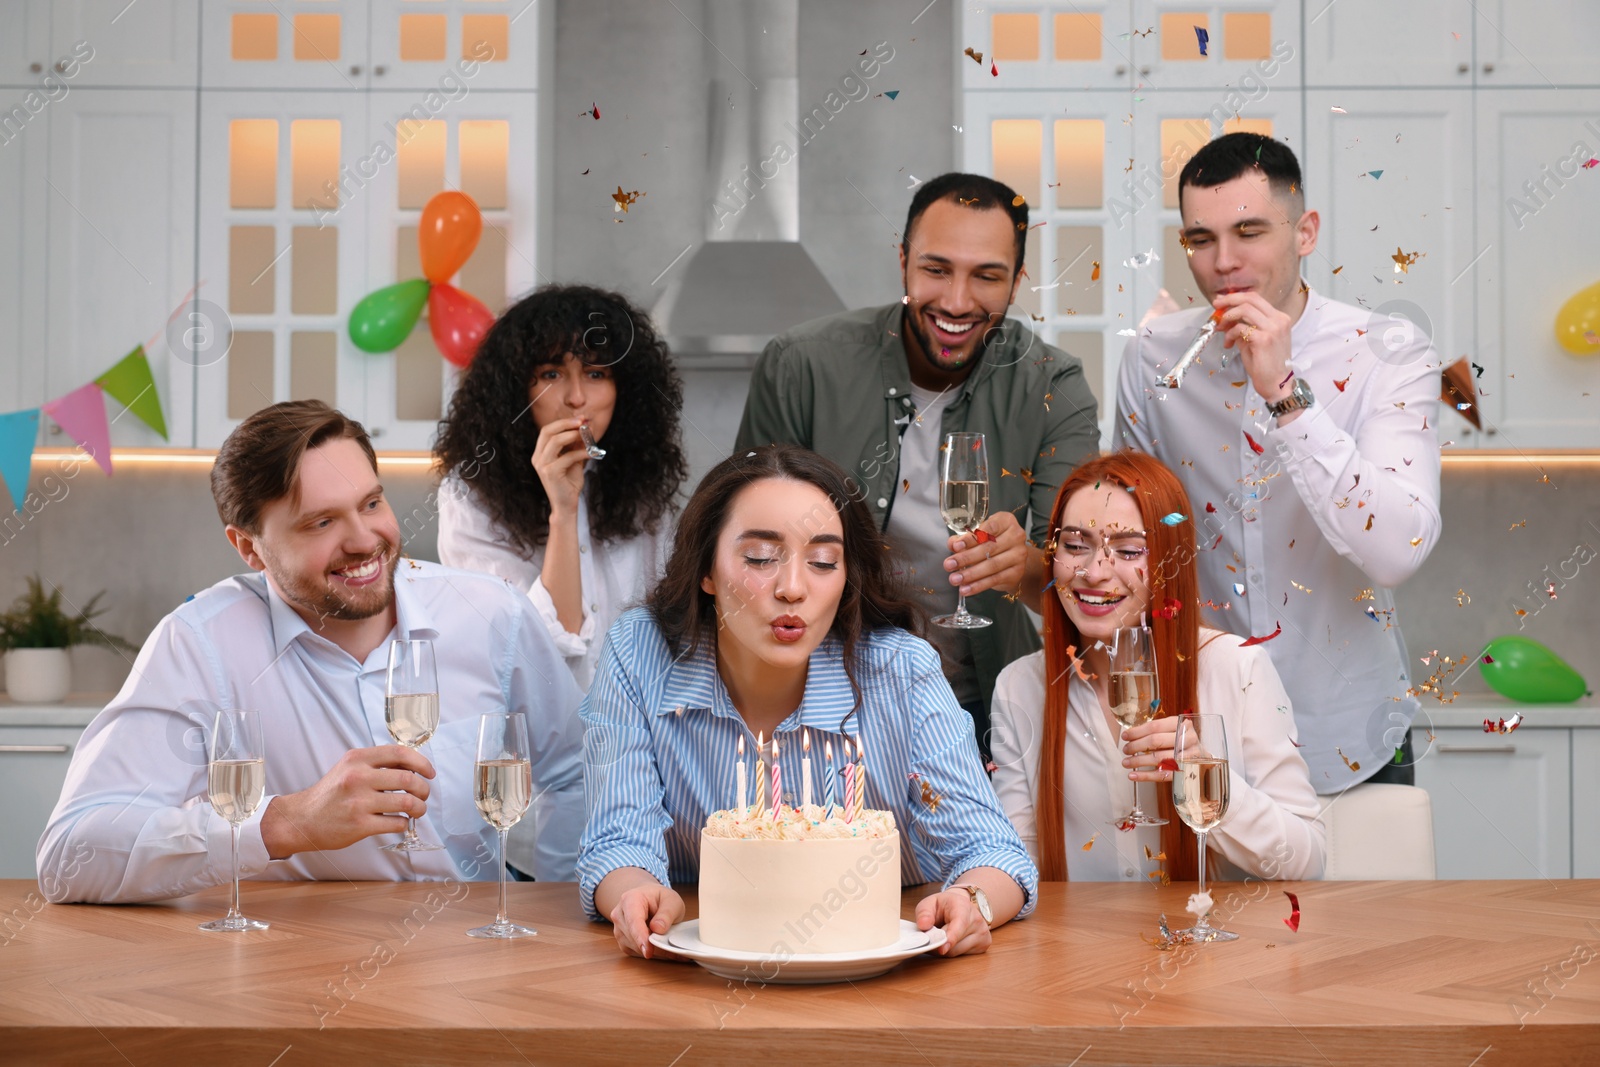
(684, 939)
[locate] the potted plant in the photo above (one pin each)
(35, 635)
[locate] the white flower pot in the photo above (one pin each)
(38, 675)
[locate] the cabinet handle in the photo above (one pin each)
(1463, 68)
(36, 67)
(1488, 68)
(1471, 750)
(42, 749)
(1121, 69)
(355, 70)
(380, 70)
(1144, 72)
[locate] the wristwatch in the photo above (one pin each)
(980, 900)
(1299, 397)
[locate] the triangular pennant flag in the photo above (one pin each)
(892, 93)
(18, 431)
(132, 385)
(82, 413)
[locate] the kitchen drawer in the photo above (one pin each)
(33, 765)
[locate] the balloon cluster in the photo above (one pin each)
(451, 226)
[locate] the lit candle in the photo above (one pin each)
(861, 779)
(744, 783)
(849, 780)
(761, 777)
(828, 775)
(777, 779)
(805, 769)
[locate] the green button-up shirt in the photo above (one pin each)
(838, 386)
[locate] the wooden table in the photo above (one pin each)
(1466, 974)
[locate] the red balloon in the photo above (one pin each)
(447, 235)
(458, 322)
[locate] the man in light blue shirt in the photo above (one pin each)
(305, 643)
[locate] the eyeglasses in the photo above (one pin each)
(1075, 548)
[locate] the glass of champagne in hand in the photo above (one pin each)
(411, 708)
(1135, 697)
(1200, 794)
(503, 788)
(237, 779)
(964, 504)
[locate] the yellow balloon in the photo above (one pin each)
(1578, 322)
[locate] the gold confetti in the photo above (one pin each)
(1519, 525)
(1018, 201)
(1403, 260)
(1087, 845)
(1365, 594)
(1415, 541)
(1462, 599)
(1348, 762)
(1298, 586)
(624, 200)
(905, 485)
(1369, 522)
(1094, 275)
(976, 57)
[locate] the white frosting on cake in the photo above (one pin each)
(798, 883)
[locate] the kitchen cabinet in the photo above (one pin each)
(36, 745)
(1502, 803)
(1585, 803)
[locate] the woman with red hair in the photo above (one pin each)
(1063, 762)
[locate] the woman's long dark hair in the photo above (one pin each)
(635, 486)
(872, 597)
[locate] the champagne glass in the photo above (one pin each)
(503, 788)
(964, 504)
(1200, 794)
(1135, 696)
(411, 708)
(236, 780)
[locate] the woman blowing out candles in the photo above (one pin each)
(1064, 762)
(776, 614)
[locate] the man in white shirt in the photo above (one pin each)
(305, 643)
(1305, 439)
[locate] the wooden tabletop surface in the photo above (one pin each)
(1466, 974)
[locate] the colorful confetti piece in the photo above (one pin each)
(1293, 921)
(1173, 519)
(1247, 642)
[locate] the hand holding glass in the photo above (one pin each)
(411, 708)
(1200, 794)
(964, 504)
(503, 788)
(1135, 696)
(236, 780)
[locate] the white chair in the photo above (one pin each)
(1379, 833)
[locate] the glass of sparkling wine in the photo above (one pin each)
(503, 788)
(1134, 696)
(964, 504)
(411, 708)
(236, 780)
(1200, 794)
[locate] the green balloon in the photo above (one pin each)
(383, 319)
(1525, 670)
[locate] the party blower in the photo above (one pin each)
(1174, 378)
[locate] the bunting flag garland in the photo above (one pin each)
(82, 414)
(131, 384)
(18, 431)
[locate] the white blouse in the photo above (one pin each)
(616, 575)
(1271, 828)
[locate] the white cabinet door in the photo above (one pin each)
(295, 44)
(1392, 173)
(150, 43)
(1502, 803)
(1076, 46)
(1585, 803)
(1537, 216)
(283, 209)
(25, 55)
(484, 146)
(1242, 37)
(119, 200)
(1367, 43)
(440, 48)
(33, 765)
(1068, 155)
(1541, 43)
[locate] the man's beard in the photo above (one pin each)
(912, 320)
(327, 601)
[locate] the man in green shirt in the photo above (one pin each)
(877, 389)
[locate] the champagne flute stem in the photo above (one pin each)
(500, 918)
(1203, 922)
(233, 908)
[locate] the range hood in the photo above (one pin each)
(751, 279)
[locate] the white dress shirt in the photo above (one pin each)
(616, 575)
(134, 822)
(1313, 531)
(1271, 828)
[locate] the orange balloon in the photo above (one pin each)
(449, 232)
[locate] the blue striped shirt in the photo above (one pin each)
(662, 740)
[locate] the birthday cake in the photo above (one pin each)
(799, 883)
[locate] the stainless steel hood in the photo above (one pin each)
(751, 279)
